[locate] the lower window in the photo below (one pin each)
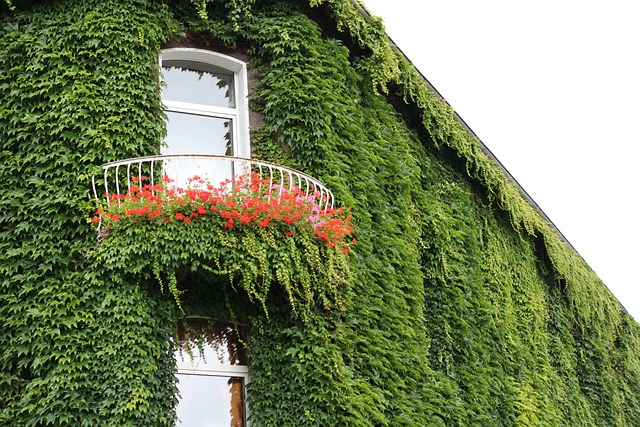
(212, 375)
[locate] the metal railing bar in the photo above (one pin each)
(209, 166)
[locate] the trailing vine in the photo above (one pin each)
(253, 233)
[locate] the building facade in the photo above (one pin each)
(439, 296)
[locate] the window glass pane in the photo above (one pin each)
(198, 83)
(191, 133)
(210, 401)
(201, 343)
(197, 134)
(212, 368)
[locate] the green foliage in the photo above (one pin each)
(251, 257)
(9, 4)
(382, 66)
(464, 309)
(78, 87)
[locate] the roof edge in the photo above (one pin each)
(525, 195)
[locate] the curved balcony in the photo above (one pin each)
(119, 176)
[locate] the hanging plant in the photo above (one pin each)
(247, 229)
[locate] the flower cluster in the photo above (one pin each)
(248, 200)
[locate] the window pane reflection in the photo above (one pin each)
(210, 401)
(196, 134)
(211, 374)
(198, 83)
(200, 343)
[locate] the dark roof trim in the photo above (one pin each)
(484, 148)
(490, 154)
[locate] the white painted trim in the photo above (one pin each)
(240, 114)
(207, 56)
(204, 110)
(239, 371)
(208, 369)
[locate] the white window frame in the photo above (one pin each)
(239, 371)
(239, 115)
(186, 366)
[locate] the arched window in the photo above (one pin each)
(205, 99)
(212, 374)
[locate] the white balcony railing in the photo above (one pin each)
(118, 176)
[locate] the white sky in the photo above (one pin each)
(553, 89)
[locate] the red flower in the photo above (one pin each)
(240, 202)
(265, 222)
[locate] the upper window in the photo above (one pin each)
(205, 96)
(212, 375)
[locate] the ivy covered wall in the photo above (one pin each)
(462, 308)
